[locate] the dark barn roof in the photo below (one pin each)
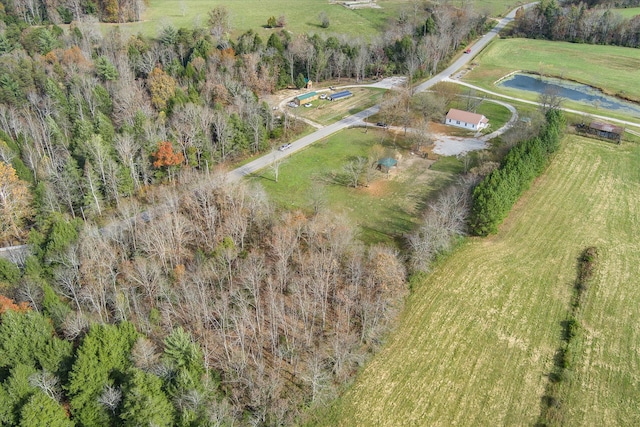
(606, 127)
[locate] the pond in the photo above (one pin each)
(570, 90)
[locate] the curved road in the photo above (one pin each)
(524, 101)
(18, 253)
(324, 132)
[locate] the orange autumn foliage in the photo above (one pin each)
(165, 156)
(7, 304)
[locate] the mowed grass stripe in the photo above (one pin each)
(478, 337)
(605, 389)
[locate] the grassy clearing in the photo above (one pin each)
(384, 211)
(492, 7)
(477, 338)
(610, 68)
(326, 112)
(628, 12)
(301, 16)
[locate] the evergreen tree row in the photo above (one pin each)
(496, 194)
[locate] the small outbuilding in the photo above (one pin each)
(386, 164)
(466, 120)
(606, 130)
(339, 95)
(305, 97)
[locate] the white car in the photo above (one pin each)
(323, 96)
(284, 147)
(308, 105)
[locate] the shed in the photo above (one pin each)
(386, 163)
(305, 97)
(466, 119)
(340, 95)
(606, 130)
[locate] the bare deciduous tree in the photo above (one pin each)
(354, 170)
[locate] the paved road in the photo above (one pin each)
(475, 49)
(301, 143)
(324, 132)
(19, 252)
(16, 254)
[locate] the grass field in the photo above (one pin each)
(301, 16)
(384, 211)
(610, 68)
(477, 338)
(628, 12)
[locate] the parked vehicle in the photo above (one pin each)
(468, 50)
(323, 96)
(382, 124)
(308, 105)
(284, 147)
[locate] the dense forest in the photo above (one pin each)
(218, 308)
(38, 12)
(579, 22)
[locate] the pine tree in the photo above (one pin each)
(144, 403)
(41, 410)
(102, 359)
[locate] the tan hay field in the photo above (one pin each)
(477, 338)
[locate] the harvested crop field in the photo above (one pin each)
(478, 337)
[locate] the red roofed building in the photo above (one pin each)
(466, 120)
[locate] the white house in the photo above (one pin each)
(466, 120)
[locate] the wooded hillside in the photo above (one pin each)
(211, 307)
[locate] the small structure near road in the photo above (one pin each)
(304, 98)
(466, 120)
(339, 95)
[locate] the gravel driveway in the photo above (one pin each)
(446, 145)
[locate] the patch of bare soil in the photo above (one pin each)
(378, 188)
(439, 128)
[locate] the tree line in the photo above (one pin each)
(578, 22)
(496, 194)
(38, 12)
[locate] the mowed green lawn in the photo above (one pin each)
(384, 211)
(478, 336)
(611, 68)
